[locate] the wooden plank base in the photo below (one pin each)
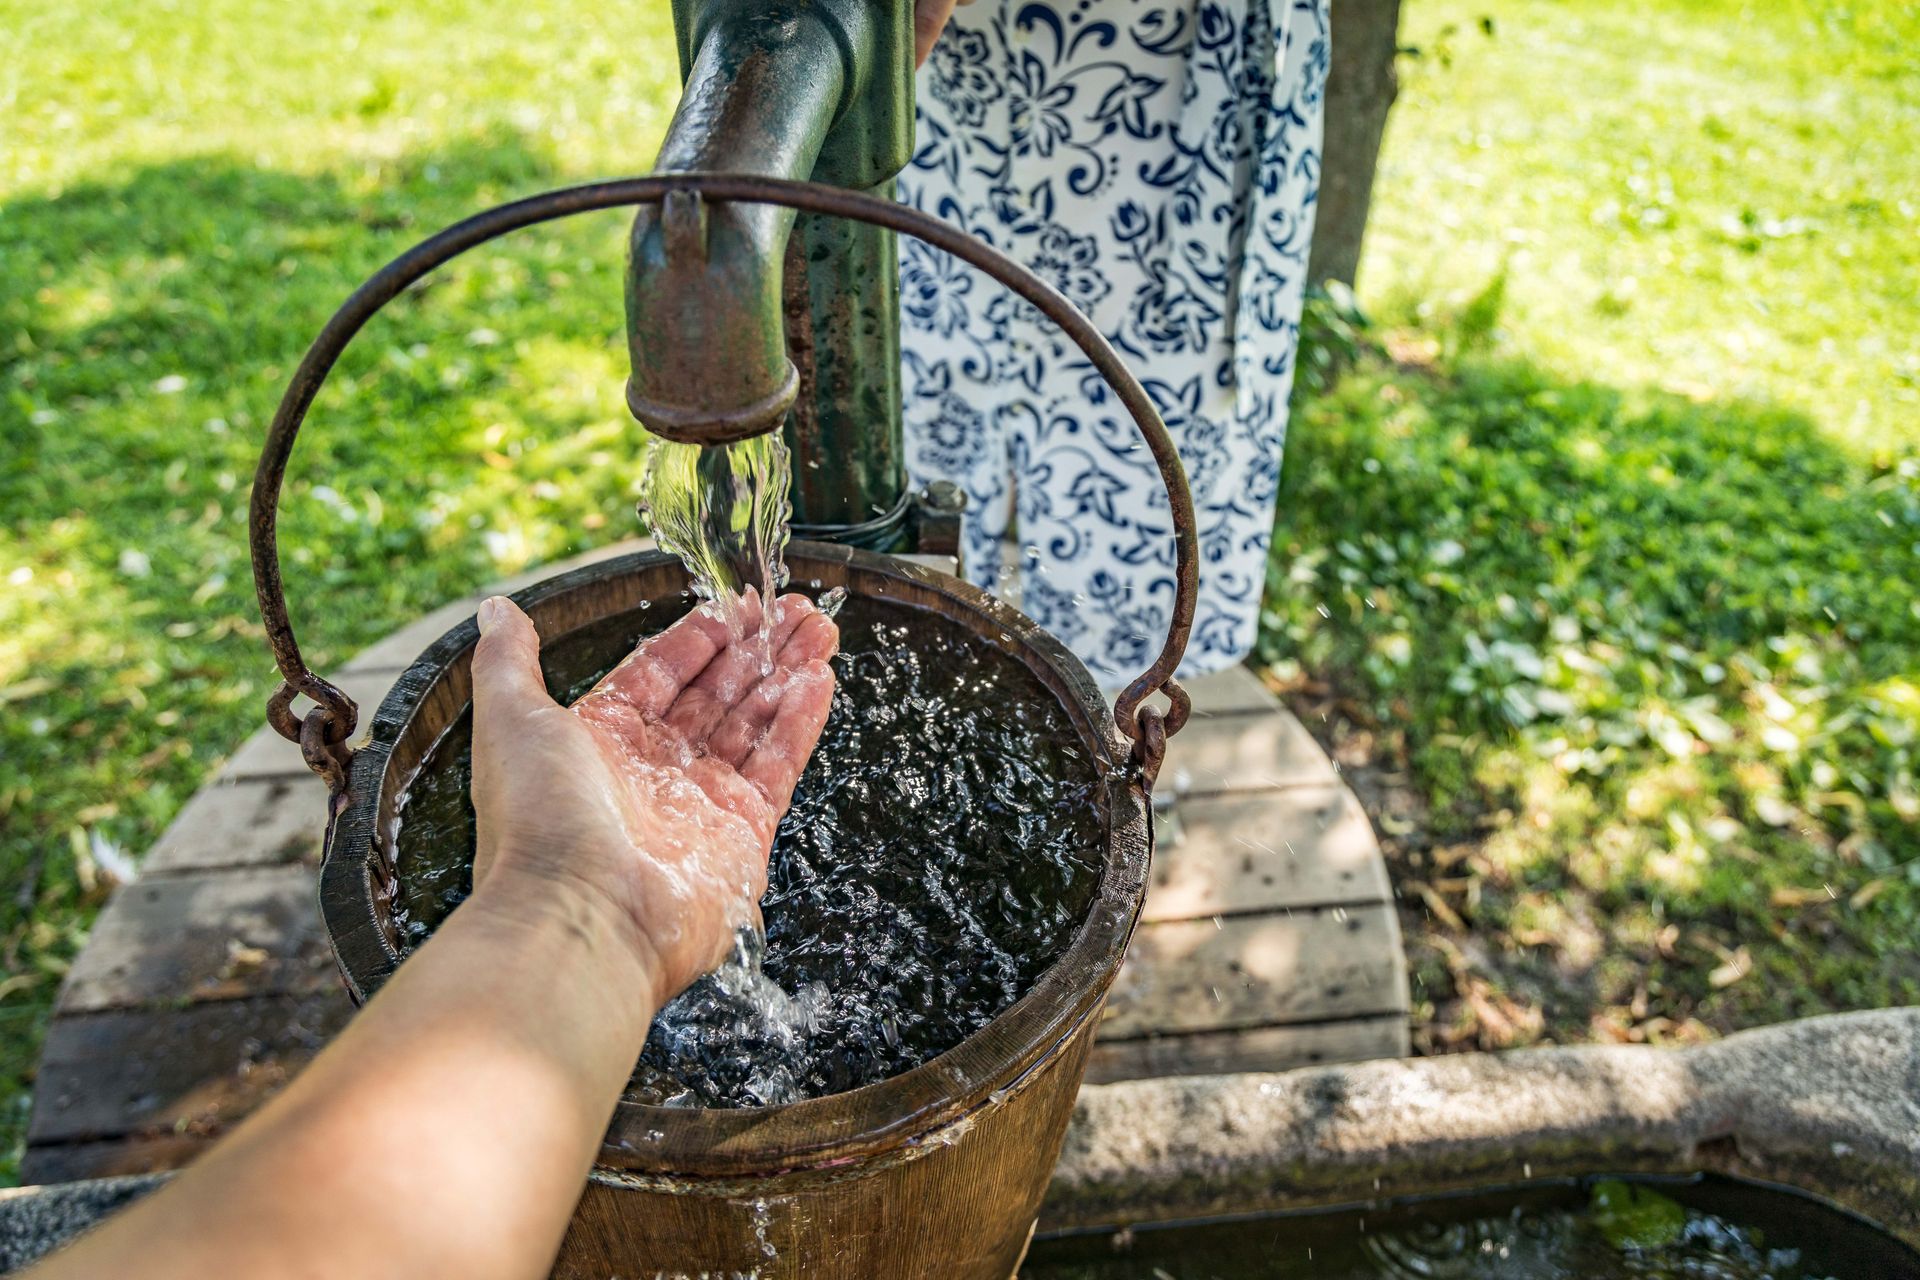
(1215, 1053)
(1268, 938)
(1264, 851)
(1241, 972)
(260, 822)
(215, 935)
(174, 1071)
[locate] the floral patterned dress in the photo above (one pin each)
(1157, 161)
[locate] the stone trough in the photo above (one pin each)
(1828, 1105)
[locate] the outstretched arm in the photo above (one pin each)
(449, 1130)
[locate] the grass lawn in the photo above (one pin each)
(1616, 558)
(185, 194)
(1601, 564)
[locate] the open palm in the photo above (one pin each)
(662, 787)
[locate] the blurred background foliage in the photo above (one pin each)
(1599, 550)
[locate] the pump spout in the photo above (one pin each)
(780, 88)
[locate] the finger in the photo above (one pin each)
(776, 763)
(815, 640)
(732, 675)
(653, 675)
(929, 17)
(506, 665)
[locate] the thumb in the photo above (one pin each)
(506, 664)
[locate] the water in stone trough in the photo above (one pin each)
(1598, 1229)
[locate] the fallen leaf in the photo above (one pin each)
(243, 959)
(24, 689)
(163, 753)
(1866, 893)
(19, 982)
(112, 862)
(1737, 966)
(1445, 914)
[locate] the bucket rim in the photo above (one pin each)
(999, 1058)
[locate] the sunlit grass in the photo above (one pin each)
(186, 192)
(1720, 197)
(1616, 534)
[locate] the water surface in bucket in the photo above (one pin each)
(1602, 1229)
(942, 848)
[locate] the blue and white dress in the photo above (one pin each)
(1157, 161)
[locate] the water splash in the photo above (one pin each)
(941, 850)
(742, 1025)
(725, 511)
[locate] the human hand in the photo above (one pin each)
(656, 795)
(929, 20)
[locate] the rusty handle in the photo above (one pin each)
(324, 731)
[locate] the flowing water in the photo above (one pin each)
(725, 512)
(1605, 1229)
(941, 850)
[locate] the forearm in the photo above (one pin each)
(446, 1132)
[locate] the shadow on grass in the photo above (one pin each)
(1635, 677)
(155, 322)
(147, 328)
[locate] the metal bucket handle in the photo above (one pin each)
(323, 732)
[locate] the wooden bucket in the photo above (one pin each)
(937, 1172)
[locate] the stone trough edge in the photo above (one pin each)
(1830, 1105)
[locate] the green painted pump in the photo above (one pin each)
(745, 317)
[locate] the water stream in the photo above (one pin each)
(725, 511)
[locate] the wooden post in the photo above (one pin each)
(1360, 89)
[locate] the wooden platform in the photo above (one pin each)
(1268, 939)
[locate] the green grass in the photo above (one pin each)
(1716, 197)
(186, 192)
(1609, 543)
(1690, 468)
